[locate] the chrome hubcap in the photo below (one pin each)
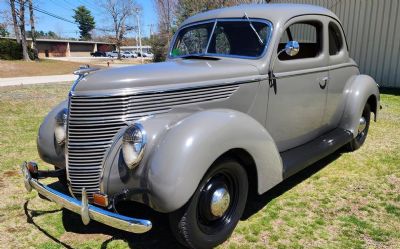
(220, 202)
(362, 125)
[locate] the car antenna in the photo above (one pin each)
(252, 27)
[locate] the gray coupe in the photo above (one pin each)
(248, 96)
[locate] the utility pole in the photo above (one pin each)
(139, 34)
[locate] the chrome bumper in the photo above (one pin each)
(88, 212)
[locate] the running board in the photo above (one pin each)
(296, 159)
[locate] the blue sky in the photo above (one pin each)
(64, 8)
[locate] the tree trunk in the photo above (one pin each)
(33, 31)
(24, 43)
(15, 22)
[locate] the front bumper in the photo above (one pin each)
(88, 212)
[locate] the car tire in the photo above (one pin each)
(362, 131)
(214, 210)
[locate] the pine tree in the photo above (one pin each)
(86, 22)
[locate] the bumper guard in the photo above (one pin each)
(87, 211)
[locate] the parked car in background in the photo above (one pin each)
(144, 54)
(128, 54)
(249, 96)
(98, 54)
(112, 54)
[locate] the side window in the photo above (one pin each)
(335, 39)
(309, 36)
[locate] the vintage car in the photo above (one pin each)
(248, 96)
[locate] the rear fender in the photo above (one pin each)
(358, 90)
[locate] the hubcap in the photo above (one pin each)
(220, 202)
(362, 125)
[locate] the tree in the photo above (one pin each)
(166, 18)
(187, 8)
(15, 21)
(86, 22)
(33, 33)
(24, 43)
(119, 11)
(3, 31)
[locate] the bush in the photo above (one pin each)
(159, 47)
(11, 50)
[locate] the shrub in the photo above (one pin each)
(159, 47)
(11, 50)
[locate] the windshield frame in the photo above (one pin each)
(215, 21)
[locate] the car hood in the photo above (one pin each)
(173, 72)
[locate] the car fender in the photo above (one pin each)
(187, 150)
(357, 91)
(48, 149)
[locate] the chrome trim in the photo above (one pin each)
(362, 125)
(269, 23)
(88, 212)
(220, 201)
(129, 91)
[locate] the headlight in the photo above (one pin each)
(133, 144)
(60, 130)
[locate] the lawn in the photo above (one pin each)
(349, 200)
(19, 68)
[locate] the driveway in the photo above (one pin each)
(37, 80)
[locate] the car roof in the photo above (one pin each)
(272, 12)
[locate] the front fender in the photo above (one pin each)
(48, 148)
(189, 148)
(357, 91)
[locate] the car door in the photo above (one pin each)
(297, 100)
(341, 68)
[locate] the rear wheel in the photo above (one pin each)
(214, 210)
(362, 130)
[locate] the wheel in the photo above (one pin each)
(362, 131)
(214, 210)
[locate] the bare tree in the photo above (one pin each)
(119, 11)
(24, 43)
(165, 11)
(33, 31)
(15, 21)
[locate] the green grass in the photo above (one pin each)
(349, 200)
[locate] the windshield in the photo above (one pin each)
(227, 38)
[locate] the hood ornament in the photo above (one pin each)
(84, 70)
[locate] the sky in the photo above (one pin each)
(64, 8)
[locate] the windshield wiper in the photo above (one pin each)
(252, 27)
(200, 57)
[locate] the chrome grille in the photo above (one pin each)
(93, 121)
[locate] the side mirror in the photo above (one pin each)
(292, 48)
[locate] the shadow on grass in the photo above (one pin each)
(160, 236)
(390, 91)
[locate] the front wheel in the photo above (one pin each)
(214, 210)
(362, 130)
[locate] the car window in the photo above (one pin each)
(309, 36)
(335, 39)
(193, 40)
(244, 38)
(237, 38)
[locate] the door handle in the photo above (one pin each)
(323, 82)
